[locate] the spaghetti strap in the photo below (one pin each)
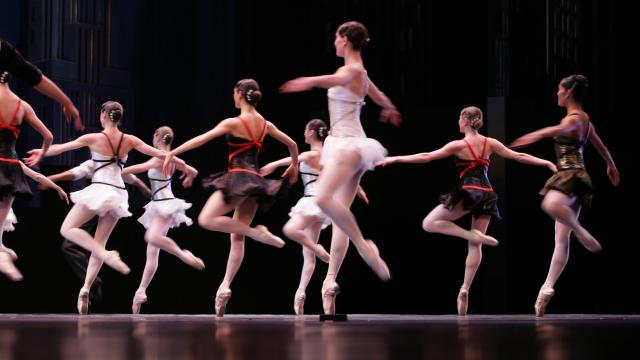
(113, 150)
(246, 126)
(15, 114)
(117, 154)
(473, 153)
(484, 148)
(264, 131)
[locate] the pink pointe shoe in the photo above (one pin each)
(139, 298)
(298, 302)
(463, 302)
(542, 301)
(222, 297)
(330, 290)
(83, 302)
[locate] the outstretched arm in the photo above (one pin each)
(139, 168)
(445, 151)
(57, 149)
(292, 170)
(568, 124)
(44, 181)
(499, 148)
(389, 112)
(612, 170)
(272, 166)
(342, 76)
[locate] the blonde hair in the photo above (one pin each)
(474, 115)
(166, 134)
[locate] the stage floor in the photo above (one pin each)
(235, 337)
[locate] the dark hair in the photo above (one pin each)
(4, 77)
(114, 110)
(577, 84)
(250, 91)
(319, 127)
(356, 33)
(474, 115)
(166, 134)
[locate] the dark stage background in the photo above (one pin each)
(175, 63)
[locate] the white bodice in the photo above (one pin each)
(309, 176)
(105, 172)
(160, 184)
(344, 112)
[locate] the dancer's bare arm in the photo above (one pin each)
(612, 170)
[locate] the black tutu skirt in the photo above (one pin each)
(13, 181)
(477, 202)
(572, 182)
(245, 184)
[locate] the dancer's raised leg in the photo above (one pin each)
(441, 220)
(296, 229)
(563, 208)
(156, 235)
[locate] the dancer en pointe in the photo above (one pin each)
(567, 191)
(473, 194)
(241, 188)
(162, 213)
(106, 197)
(13, 112)
(347, 151)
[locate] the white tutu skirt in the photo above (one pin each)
(307, 206)
(103, 199)
(10, 221)
(173, 209)
(370, 150)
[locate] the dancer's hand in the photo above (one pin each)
(297, 85)
(363, 195)
(525, 140)
(613, 174)
(292, 173)
(34, 158)
(552, 166)
(71, 113)
(63, 195)
(392, 116)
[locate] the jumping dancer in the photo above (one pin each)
(347, 151)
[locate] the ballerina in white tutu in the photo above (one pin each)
(347, 151)
(106, 197)
(163, 212)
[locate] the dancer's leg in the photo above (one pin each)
(344, 175)
(7, 255)
(472, 263)
(309, 264)
(150, 267)
(156, 235)
(562, 208)
(244, 213)
(296, 229)
(441, 220)
(213, 217)
(103, 231)
(558, 262)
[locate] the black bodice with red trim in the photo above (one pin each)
(9, 136)
(473, 173)
(243, 153)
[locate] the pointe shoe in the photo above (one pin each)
(543, 299)
(83, 302)
(112, 258)
(222, 297)
(8, 268)
(298, 302)
(267, 237)
(11, 253)
(193, 261)
(322, 254)
(139, 298)
(329, 292)
(375, 262)
(483, 238)
(463, 302)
